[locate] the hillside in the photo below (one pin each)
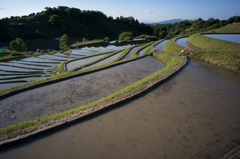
(54, 22)
(187, 28)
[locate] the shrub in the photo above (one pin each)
(18, 45)
(126, 36)
(64, 42)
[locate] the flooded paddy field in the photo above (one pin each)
(130, 51)
(160, 45)
(182, 41)
(43, 64)
(228, 37)
(104, 61)
(80, 62)
(72, 93)
(194, 114)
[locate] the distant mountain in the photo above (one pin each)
(148, 22)
(172, 21)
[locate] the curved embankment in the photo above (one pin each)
(173, 47)
(27, 130)
(62, 67)
(218, 52)
(212, 44)
(135, 53)
(93, 61)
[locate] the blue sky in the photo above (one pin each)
(143, 10)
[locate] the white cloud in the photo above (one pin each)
(148, 11)
(133, 12)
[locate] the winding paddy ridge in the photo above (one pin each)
(41, 65)
(159, 124)
(192, 114)
(74, 92)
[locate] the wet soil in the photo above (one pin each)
(72, 93)
(177, 119)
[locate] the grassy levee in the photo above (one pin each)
(134, 53)
(61, 68)
(230, 28)
(218, 52)
(95, 61)
(2, 64)
(173, 47)
(89, 43)
(19, 77)
(15, 81)
(226, 59)
(208, 43)
(174, 63)
(10, 58)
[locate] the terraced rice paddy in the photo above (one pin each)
(130, 51)
(193, 114)
(104, 61)
(160, 45)
(41, 65)
(74, 92)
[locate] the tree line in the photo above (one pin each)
(54, 22)
(186, 27)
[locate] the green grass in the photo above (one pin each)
(208, 43)
(172, 47)
(60, 68)
(227, 59)
(230, 28)
(28, 126)
(134, 53)
(15, 81)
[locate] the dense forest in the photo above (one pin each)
(54, 22)
(186, 27)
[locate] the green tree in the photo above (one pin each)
(126, 36)
(54, 20)
(106, 38)
(18, 45)
(162, 34)
(64, 42)
(84, 39)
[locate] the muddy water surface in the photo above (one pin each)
(178, 119)
(72, 93)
